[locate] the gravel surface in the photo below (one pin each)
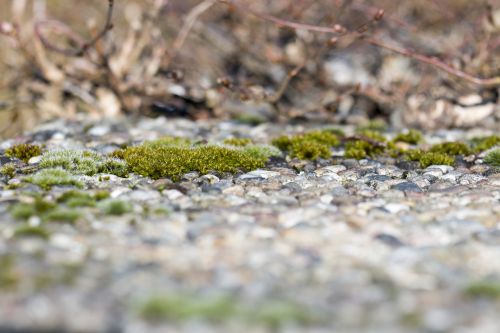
(333, 245)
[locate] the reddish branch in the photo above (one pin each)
(340, 31)
(62, 29)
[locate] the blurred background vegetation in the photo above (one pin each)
(213, 59)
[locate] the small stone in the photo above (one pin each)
(259, 174)
(407, 187)
(390, 240)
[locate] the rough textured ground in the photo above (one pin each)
(337, 245)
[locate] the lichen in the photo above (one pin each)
(24, 151)
(493, 158)
(412, 137)
(84, 162)
(160, 161)
(46, 178)
(451, 148)
(308, 146)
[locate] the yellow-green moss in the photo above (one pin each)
(46, 178)
(427, 159)
(412, 137)
(373, 135)
(482, 144)
(451, 148)
(23, 211)
(376, 125)
(487, 289)
(8, 169)
(24, 151)
(157, 161)
(115, 207)
(9, 277)
(493, 158)
(62, 215)
(238, 142)
(32, 232)
(359, 149)
(308, 146)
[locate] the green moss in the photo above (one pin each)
(8, 169)
(238, 142)
(115, 207)
(101, 195)
(309, 146)
(62, 215)
(23, 211)
(309, 150)
(482, 144)
(31, 231)
(451, 148)
(275, 315)
(427, 159)
(493, 158)
(47, 178)
(412, 137)
(83, 162)
(250, 119)
(376, 125)
(488, 289)
(169, 141)
(158, 161)
(360, 149)
(9, 278)
(178, 309)
(373, 135)
(24, 151)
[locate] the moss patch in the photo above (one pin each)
(427, 159)
(487, 289)
(160, 161)
(8, 169)
(62, 215)
(115, 207)
(451, 148)
(24, 151)
(9, 278)
(360, 149)
(412, 137)
(83, 162)
(482, 144)
(47, 178)
(23, 211)
(31, 231)
(493, 158)
(238, 142)
(309, 146)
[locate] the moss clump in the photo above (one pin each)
(277, 314)
(308, 146)
(115, 207)
(83, 162)
(160, 161)
(178, 309)
(488, 289)
(47, 178)
(372, 135)
(427, 159)
(23, 211)
(169, 141)
(24, 151)
(359, 149)
(238, 142)
(8, 169)
(482, 144)
(412, 137)
(451, 148)
(377, 125)
(9, 277)
(493, 158)
(62, 215)
(74, 199)
(249, 119)
(32, 232)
